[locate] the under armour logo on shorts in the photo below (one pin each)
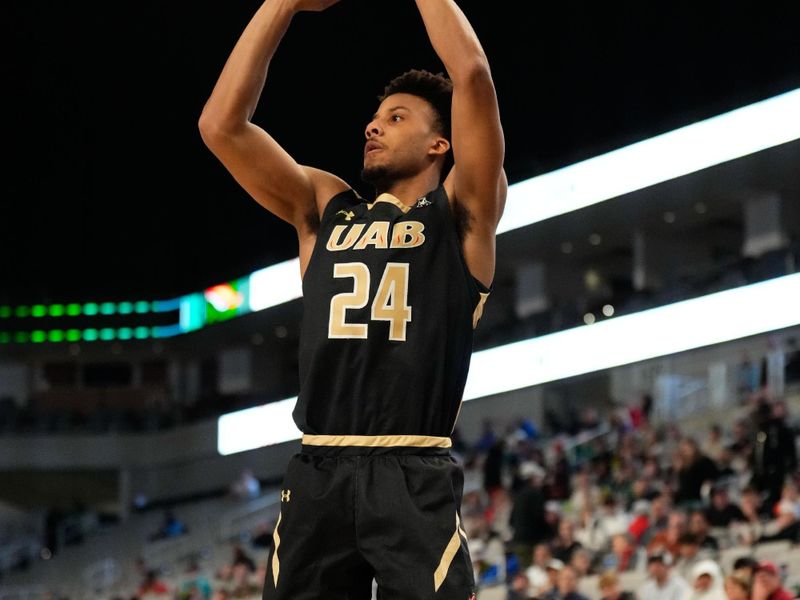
(286, 495)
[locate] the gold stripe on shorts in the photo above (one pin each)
(447, 556)
(276, 564)
(421, 441)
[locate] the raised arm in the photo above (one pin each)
(293, 192)
(477, 183)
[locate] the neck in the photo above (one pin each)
(411, 189)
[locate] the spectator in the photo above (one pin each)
(767, 583)
(581, 562)
(745, 566)
(785, 525)
(694, 470)
(713, 445)
(528, 515)
(246, 487)
(152, 585)
(689, 554)
(774, 454)
(721, 512)
(609, 587)
(564, 545)
(171, 526)
(668, 538)
(537, 572)
(519, 588)
(623, 552)
(662, 584)
(738, 586)
(706, 580)
(196, 585)
(553, 569)
(698, 525)
(567, 586)
(586, 496)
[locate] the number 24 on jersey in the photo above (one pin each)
(390, 302)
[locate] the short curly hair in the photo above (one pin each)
(436, 89)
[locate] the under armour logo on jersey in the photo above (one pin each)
(348, 214)
(286, 495)
(422, 202)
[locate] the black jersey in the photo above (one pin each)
(389, 311)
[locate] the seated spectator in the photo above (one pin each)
(240, 560)
(721, 512)
(152, 585)
(662, 583)
(609, 587)
(622, 556)
(564, 544)
(528, 514)
(706, 581)
(689, 554)
(668, 538)
(738, 586)
(262, 538)
(246, 487)
(537, 573)
(582, 562)
(585, 496)
(641, 520)
(698, 525)
(519, 587)
(785, 525)
(553, 569)
(195, 585)
(170, 527)
(566, 586)
(767, 583)
(746, 567)
(749, 530)
(694, 470)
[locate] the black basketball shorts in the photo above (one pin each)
(349, 514)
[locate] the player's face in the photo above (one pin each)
(400, 139)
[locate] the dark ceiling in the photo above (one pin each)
(108, 192)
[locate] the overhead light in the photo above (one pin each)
(686, 150)
(566, 247)
(669, 217)
(595, 239)
(589, 318)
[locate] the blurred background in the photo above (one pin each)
(631, 414)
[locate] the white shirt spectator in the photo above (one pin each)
(674, 588)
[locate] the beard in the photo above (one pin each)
(382, 176)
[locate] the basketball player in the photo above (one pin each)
(392, 291)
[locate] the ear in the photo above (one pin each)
(439, 146)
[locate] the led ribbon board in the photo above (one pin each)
(695, 323)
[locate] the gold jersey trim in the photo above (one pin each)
(421, 441)
(385, 197)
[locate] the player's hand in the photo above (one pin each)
(313, 5)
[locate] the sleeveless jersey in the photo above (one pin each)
(389, 311)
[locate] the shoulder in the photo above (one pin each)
(326, 186)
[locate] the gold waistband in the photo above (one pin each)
(421, 441)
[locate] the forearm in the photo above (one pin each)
(452, 37)
(238, 89)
